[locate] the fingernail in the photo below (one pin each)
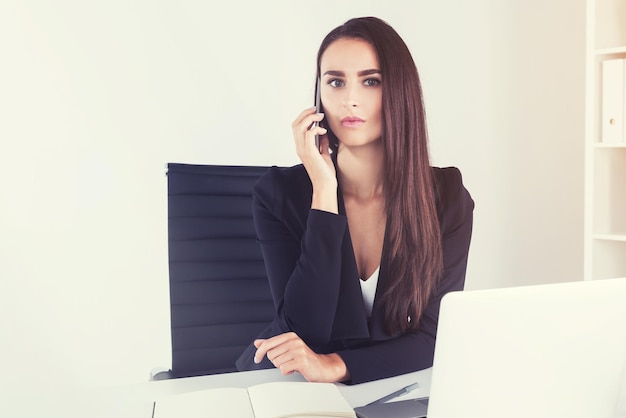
(256, 361)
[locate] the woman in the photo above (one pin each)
(363, 238)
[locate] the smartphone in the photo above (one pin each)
(318, 109)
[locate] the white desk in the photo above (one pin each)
(135, 401)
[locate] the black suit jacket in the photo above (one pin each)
(315, 283)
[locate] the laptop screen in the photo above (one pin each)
(555, 350)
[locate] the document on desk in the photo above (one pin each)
(267, 400)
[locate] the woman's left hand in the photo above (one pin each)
(290, 354)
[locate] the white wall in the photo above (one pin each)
(97, 96)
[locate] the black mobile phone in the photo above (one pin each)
(318, 109)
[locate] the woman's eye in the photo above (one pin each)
(335, 83)
(371, 82)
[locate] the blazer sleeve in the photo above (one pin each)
(302, 252)
(415, 350)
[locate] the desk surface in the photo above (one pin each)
(136, 400)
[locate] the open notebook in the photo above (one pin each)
(267, 400)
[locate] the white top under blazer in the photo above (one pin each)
(368, 288)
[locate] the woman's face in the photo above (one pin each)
(351, 92)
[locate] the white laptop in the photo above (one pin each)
(554, 351)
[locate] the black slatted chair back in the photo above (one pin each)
(219, 293)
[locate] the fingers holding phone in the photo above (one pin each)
(316, 159)
(307, 131)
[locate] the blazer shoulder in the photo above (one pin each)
(451, 194)
(282, 184)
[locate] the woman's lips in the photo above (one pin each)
(352, 122)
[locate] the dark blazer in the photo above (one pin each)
(315, 283)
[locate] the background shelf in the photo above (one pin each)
(605, 163)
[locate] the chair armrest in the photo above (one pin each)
(160, 373)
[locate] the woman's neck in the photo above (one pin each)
(361, 171)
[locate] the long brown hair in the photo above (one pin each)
(412, 258)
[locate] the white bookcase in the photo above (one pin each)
(605, 163)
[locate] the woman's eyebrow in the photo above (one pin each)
(368, 72)
(360, 73)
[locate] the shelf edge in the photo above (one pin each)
(610, 237)
(608, 146)
(610, 51)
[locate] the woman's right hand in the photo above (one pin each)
(289, 353)
(317, 162)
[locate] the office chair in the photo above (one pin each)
(219, 293)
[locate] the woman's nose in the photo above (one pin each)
(350, 98)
